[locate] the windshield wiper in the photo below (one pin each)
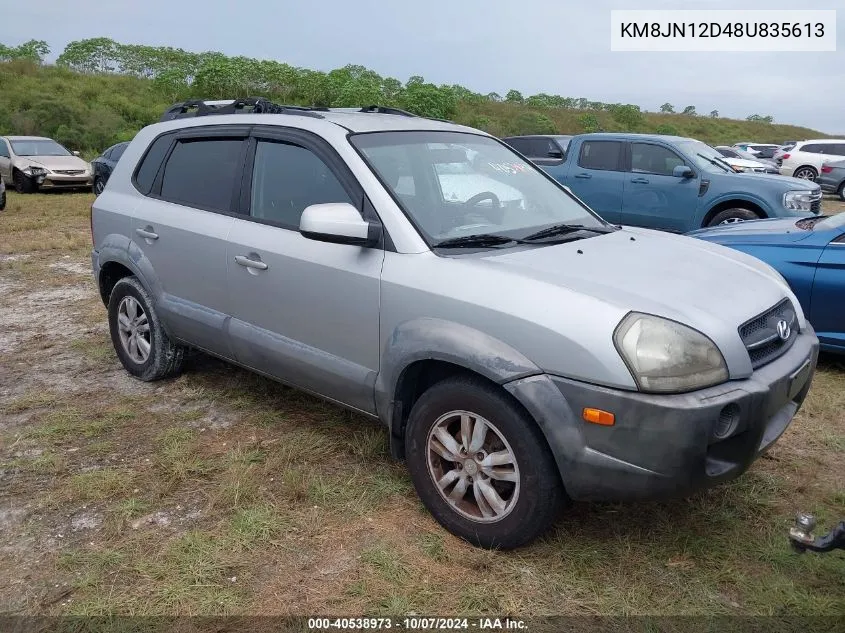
(565, 229)
(721, 163)
(477, 241)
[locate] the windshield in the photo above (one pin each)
(40, 147)
(453, 184)
(703, 156)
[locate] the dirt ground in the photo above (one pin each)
(220, 492)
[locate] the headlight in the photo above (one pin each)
(36, 171)
(667, 357)
(798, 200)
(739, 169)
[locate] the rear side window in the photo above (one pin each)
(147, 170)
(812, 148)
(603, 155)
(653, 159)
(286, 179)
(201, 173)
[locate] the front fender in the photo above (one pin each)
(436, 339)
(738, 196)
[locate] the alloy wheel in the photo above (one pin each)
(473, 466)
(134, 329)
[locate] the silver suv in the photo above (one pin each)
(522, 352)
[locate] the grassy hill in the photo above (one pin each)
(89, 111)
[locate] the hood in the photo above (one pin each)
(53, 162)
(772, 231)
(708, 287)
(786, 183)
(742, 162)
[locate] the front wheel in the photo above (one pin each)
(730, 216)
(99, 185)
(141, 343)
(481, 465)
(2, 199)
(23, 183)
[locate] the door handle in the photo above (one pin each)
(250, 263)
(583, 175)
(641, 181)
(147, 233)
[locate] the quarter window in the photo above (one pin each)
(602, 155)
(653, 159)
(286, 179)
(150, 164)
(202, 173)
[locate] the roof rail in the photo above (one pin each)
(248, 105)
(377, 109)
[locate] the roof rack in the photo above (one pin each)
(248, 105)
(377, 109)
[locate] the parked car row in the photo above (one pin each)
(522, 350)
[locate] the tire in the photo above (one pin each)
(2, 199)
(730, 216)
(528, 505)
(805, 173)
(99, 185)
(23, 183)
(842, 191)
(163, 357)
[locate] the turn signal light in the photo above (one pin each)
(597, 416)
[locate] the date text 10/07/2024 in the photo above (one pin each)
(416, 623)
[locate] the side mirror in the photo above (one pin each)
(682, 171)
(554, 153)
(75, 153)
(339, 223)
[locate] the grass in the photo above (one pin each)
(300, 503)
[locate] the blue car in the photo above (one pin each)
(810, 254)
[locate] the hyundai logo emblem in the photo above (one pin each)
(783, 330)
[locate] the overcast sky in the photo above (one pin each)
(554, 46)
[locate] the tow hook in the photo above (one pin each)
(801, 535)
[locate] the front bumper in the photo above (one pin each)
(667, 445)
(59, 181)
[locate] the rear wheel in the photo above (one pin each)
(481, 465)
(23, 183)
(730, 216)
(805, 173)
(2, 199)
(141, 343)
(842, 191)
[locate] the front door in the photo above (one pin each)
(653, 197)
(304, 311)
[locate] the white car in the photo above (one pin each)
(806, 158)
(734, 158)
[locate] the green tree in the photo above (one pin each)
(588, 122)
(31, 50)
(714, 114)
(428, 100)
(96, 55)
(689, 111)
(669, 130)
(514, 96)
(533, 123)
(628, 116)
(668, 108)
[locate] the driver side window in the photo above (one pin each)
(653, 159)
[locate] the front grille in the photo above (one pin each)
(816, 202)
(69, 172)
(761, 337)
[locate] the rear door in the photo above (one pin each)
(182, 224)
(304, 311)
(653, 197)
(597, 177)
